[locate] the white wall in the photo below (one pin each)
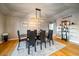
(17, 23)
(1, 24)
(74, 29)
(12, 26)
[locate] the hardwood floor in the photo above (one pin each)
(71, 49)
(7, 47)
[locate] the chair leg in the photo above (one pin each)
(52, 42)
(49, 43)
(45, 44)
(28, 49)
(18, 46)
(35, 47)
(26, 45)
(41, 45)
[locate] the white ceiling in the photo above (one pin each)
(49, 10)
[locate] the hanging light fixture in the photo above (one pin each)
(38, 15)
(38, 11)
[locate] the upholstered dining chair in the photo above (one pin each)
(42, 38)
(50, 37)
(21, 38)
(35, 32)
(31, 41)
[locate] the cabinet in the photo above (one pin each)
(5, 37)
(65, 30)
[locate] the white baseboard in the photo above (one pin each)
(10, 39)
(75, 42)
(1, 42)
(13, 39)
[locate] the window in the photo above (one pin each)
(51, 26)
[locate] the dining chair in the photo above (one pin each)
(42, 38)
(31, 41)
(35, 32)
(50, 37)
(21, 38)
(28, 33)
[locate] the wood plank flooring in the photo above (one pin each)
(71, 49)
(7, 47)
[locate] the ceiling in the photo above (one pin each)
(49, 10)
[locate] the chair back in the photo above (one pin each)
(35, 32)
(43, 36)
(50, 33)
(18, 33)
(32, 40)
(28, 33)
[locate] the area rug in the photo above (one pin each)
(23, 51)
